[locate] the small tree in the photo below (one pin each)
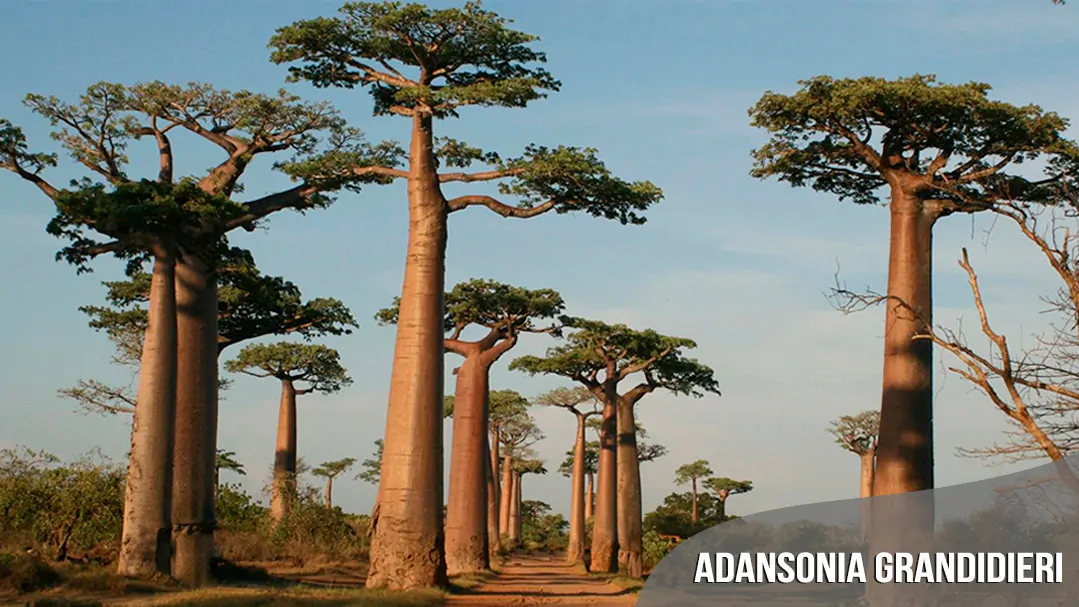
(599, 357)
(301, 369)
(936, 150)
(330, 471)
(690, 474)
(373, 466)
(226, 460)
(858, 434)
(459, 57)
(503, 312)
(723, 488)
(572, 400)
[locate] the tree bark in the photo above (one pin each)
(575, 549)
(408, 547)
(195, 448)
(513, 520)
(507, 493)
(630, 542)
(604, 558)
(494, 539)
(329, 493)
(466, 510)
(905, 447)
(721, 508)
(284, 467)
(696, 509)
(590, 498)
(868, 464)
(147, 529)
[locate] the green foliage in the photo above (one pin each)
(723, 486)
(591, 460)
(517, 433)
(237, 511)
(857, 433)
(490, 304)
(957, 140)
(675, 515)
(463, 56)
(372, 468)
(333, 469)
(655, 548)
(65, 508)
(226, 460)
(570, 398)
(687, 473)
(594, 344)
(541, 530)
(317, 366)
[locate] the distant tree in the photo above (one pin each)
(330, 471)
(301, 369)
(575, 400)
(647, 452)
(927, 150)
(469, 57)
(859, 434)
(723, 488)
(674, 516)
(372, 467)
(517, 433)
(226, 460)
(599, 357)
(590, 464)
(521, 466)
(690, 474)
(503, 312)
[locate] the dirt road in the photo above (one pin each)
(542, 580)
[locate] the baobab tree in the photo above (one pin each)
(226, 460)
(459, 57)
(522, 465)
(372, 466)
(301, 369)
(503, 312)
(690, 474)
(331, 470)
(573, 400)
(858, 434)
(590, 462)
(723, 488)
(179, 224)
(516, 434)
(935, 150)
(600, 356)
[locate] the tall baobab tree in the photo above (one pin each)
(590, 462)
(301, 369)
(463, 57)
(858, 434)
(690, 474)
(928, 150)
(516, 435)
(503, 312)
(572, 400)
(180, 225)
(525, 464)
(723, 488)
(600, 356)
(331, 470)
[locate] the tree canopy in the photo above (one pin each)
(857, 433)
(595, 347)
(416, 60)
(591, 460)
(517, 433)
(950, 142)
(688, 473)
(317, 366)
(504, 405)
(577, 399)
(723, 486)
(226, 460)
(372, 467)
(333, 469)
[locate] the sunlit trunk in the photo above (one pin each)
(494, 540)
(696, 507)
(329, 493)
(518, 518)
(590, 498)
(575, 549)
(868, 464)
(507, 493)
(466, 510)
(146, 539)
(408, 547)
(630, 543)
(195, 448)
(604, 557)
(513, 494)
(284, 467)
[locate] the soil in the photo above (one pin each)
(542, 580)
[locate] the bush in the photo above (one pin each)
(655, 548)
(25, 573)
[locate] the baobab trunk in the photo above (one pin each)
(513, 519)
(518, 519)
(329, 493)
(589, 499)
(905, 447)
(630, 543)
(575, 549)
(466, 510)
(604, 526)
(195, 448)
(494, 539)
(696, 508)
(408, 547)
(868, 464)
(284, 467)
(147, 529)
(721, 508)
(507, 494)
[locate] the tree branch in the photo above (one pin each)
(499, 207)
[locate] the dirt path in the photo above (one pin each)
(542, 580)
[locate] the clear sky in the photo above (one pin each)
(661, 89)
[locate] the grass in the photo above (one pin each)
(464, 583)
(632, 585)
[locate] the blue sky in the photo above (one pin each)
(661, 89)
